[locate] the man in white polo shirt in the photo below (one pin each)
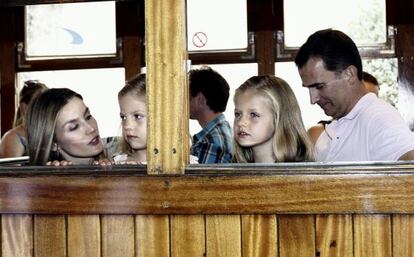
(364, 127)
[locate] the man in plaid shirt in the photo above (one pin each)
(209, 93)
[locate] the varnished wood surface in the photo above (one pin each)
(167, 90)
(384, 189)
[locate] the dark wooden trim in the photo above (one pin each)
(223, 189)
(12, 3)
(130, 27)
(7, 66)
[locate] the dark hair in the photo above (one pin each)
(30, 89)
(212, 85)
(369, 78)
(335, 48)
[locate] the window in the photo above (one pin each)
(362, 20)
(216, 25)
(65, 32)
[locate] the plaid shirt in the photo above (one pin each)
(214, 144)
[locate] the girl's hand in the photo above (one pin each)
(128, 162)
(103, 162)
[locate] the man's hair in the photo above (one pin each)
(335, 48)
(369, 78)
(212, 85)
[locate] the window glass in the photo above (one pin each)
(59, 30)
(363, 20)
(386, 72)
(235, 75)
(98, 87)
(311, 113)
(216, 25)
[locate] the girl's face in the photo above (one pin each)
(134, 121)
(253, 120)
(76, 130)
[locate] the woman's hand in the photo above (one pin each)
(103, 162)
(58, 163)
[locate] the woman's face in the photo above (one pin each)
(76, 131)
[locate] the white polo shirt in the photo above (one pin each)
(372, 131)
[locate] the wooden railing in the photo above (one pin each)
(228, 210)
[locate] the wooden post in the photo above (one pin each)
(167, 91)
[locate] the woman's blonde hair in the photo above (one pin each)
(290, 141)
(137, 87)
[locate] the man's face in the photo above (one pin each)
(326, 88)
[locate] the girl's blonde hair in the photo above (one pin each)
(137, 87)
(290, 140)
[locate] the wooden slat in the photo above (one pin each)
(118, 235)
(16, 236)
(259, 235)
(152, 236)
(334, 235)
(372, 236)
(84, 236)
(208, 194)
(403, 235)
(49, 236)
(223, 233)
(296, 235)
(185, 229)
(167, 91)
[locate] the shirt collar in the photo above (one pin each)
(211, 125)
(365, 101)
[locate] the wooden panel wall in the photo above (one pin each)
(207, 235)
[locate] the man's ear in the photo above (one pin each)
(351, 74)
(201, 99)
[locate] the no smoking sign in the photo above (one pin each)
(200, 39)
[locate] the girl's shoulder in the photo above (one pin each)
(111, 145)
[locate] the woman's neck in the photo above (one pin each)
(77, 160)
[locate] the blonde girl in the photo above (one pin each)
(268, 125)
(133, 113)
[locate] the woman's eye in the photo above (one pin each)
(74, 127)
(88, 117)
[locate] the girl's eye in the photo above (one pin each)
(88, 116)
(138, 116)
(236, 114)
(254, 115)
(123, 117)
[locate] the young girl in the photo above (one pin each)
(268, 125)
(62, 131)
(133, 112)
